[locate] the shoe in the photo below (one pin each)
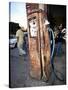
(24, 52)
(20, 54)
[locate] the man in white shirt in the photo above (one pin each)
(20, 40)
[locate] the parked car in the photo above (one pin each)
(12, 41)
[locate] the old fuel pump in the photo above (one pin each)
(39, 42)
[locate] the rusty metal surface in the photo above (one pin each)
(35, 68)
(39, 48)
(45, 48)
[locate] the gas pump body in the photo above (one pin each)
(39, 46)
(34, 53)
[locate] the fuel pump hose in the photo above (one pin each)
(52, 56)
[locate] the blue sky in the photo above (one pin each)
(18, 13)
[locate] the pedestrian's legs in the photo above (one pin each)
(59, 48)
(21, 51)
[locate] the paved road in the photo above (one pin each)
(19, 71)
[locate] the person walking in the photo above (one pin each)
(20, 40)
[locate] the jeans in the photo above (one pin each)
(59, 48)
